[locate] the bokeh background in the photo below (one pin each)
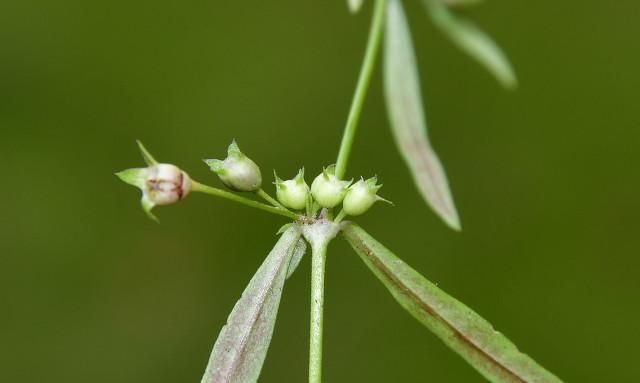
(545, 178)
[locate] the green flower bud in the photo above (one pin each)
(237, 171)
(161, 184)
(327, 190)
(293, 193)
(361, 196)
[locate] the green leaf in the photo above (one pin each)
(464, 331)
(476, 43)
(298, 252)
(242, 345)
(408, 124)
(461, 3)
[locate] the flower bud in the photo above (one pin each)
(237, 171)
(293, 193)
(327, 190)
(161, 184)
(361, 196)
(167, 184)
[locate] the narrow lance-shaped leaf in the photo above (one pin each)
(463, 330)
(406, 114)
(471, 39)
(242, 345)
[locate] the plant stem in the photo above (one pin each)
(318, 260)
(263, 194)
(245, 201)
(340, 216)
(371, 53)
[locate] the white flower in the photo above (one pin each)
(161, 184)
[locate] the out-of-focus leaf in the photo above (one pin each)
(408, 124)
(242, 345)
(298, 253)
(464, 331)
(475, 42)
(355, 5)
(461, 3)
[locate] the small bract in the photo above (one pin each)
(327, 190)
(238, 172)
(293, 193)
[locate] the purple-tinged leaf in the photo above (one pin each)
(473, 41)
(298, 252)
(406, 114)
(463, 330)
(242, 345)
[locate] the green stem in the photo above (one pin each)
(198, 187)
(318, 260)
(371, 53)
(263, 194)
(340, 216)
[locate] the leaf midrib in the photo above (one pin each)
(243, 343)
(431, 311)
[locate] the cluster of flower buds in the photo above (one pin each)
(238, 172)
(161, 184)
(328, 191)
(165, 184)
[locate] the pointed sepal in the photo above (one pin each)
(134, 177)
(148, 158)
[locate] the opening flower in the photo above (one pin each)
(161, 184)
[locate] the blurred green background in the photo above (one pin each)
(545, 178)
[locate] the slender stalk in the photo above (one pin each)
(309, 207)
(264, 195)
(340, 216)
(319, 248)
(371, 53)
(318, 260)
(245, 201)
